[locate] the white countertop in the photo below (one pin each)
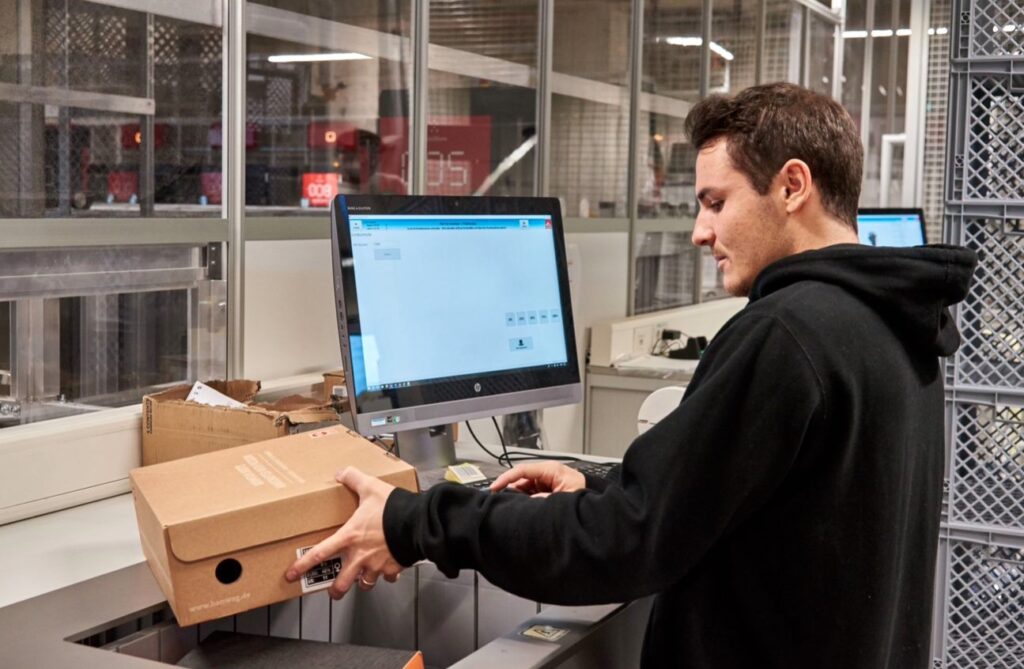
(49, 552)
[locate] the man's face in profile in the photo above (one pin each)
(744, 230)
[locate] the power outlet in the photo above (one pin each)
(643, 339)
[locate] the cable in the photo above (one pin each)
(501, 438)
(506, 459)
(485, 449)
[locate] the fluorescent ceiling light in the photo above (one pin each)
(697, 41)
(882, 32)
(317, 57)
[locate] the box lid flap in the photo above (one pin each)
(227, 500)
(243, 390)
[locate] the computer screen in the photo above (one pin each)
(451, 308)
(891, 227)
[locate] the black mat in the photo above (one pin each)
(226, 650)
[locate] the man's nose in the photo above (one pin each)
(702, 235)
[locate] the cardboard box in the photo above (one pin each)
(220, 529)
(174, 428)
(334, 384)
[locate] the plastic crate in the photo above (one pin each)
(980, 620)
(988, 28)
(986, 130)
(991, 317)
(986, 477)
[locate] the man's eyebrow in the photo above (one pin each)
(704, 192)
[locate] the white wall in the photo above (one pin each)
(599, 294)
(290, 325)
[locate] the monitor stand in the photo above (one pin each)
(427, 447)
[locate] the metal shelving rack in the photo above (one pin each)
(979, 612)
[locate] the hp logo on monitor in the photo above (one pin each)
(476, 387)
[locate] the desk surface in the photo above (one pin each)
(91, 554)
(59, 549)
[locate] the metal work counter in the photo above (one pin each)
(76, 592)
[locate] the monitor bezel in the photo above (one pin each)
(450, 400)
(894, 211)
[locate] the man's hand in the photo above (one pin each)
(540, 479)
(360, 541)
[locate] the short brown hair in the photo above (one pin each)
(769, 124)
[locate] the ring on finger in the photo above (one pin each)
(365, 583)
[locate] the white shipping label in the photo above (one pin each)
(320, 576)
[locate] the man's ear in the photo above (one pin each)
(795, 182)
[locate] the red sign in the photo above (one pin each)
(326, 134)
(319, 188)
(458, 152)
(131, 135)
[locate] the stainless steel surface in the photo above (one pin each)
(419, 92)
(106, 102)
(62, 232)
(707, 8)
(762, 12)
(636, 73)
(147, 160)
(49, 630)
(234, 194)
(545, 55)
(207, 12)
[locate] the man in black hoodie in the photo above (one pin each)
(786, 514)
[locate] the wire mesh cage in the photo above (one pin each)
(987, 463)
(987, 121)
(984, 610)
(991, 318)
(989, 28)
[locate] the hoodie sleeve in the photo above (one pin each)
(684, 483)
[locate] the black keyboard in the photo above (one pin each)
(596, 469)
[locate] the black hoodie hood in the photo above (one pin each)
(911, 288)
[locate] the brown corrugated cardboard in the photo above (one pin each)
(220, 529)
(174, 428)
(334, 384)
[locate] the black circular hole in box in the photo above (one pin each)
(228, 571)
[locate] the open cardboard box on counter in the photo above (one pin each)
(173, 427)
(220, 529)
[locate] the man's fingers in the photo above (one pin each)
(352, 478)
(350, 570)
(323, 551)
(528, 471)
(540, 494)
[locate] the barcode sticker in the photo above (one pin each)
(320, 576)
(544, 632)
(464, 473)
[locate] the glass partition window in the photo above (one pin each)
(108, 112)
(670, 85)
(327, 103)
(481, 117)
(733, 45)
(89, 328)
(590, 107)
(820, 54)
(782, 41)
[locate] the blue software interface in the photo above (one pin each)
(450, 296)
(902, 229)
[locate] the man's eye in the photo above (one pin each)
(716, 206)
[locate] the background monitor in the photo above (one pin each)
(891, 227)
(450, 308)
